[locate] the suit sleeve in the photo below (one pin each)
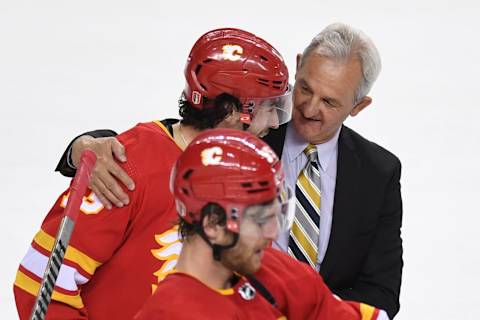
(63, 167)
(379, 281)
(83, 257)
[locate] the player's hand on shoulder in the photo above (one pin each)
(107, 174)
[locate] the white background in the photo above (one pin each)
(69, 66)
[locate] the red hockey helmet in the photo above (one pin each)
(233, 169)
(237, 62)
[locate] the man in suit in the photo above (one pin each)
(360, 212)
(351, 224)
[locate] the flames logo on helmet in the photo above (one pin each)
(232, 52)
(211, 156)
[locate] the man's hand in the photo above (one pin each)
(106, 171)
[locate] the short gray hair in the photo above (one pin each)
(341, 42)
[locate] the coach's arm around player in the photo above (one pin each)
(107, 173)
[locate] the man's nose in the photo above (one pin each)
(270, 231)
(273, 122)
(311, 108)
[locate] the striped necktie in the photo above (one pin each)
(303, 240)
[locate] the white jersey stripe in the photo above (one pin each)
(68, 279)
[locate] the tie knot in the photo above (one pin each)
(311, 153)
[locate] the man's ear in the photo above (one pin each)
(299, 59)
(362, 104)
(212, 229)
(231, 121)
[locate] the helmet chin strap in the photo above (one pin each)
(217, 249)
(246, 116)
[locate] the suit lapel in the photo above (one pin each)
(345, 202)
(276, 138)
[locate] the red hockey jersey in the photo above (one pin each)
(189, 298)
(301, 294)
(299, 291)
(116, 257)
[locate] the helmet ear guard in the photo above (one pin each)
(216, 248)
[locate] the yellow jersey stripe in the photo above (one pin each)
(31, 286)
(68, 279)
(224, 292)
(366, 311)
(88, 264)
(160, 124)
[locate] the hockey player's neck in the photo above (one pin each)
(183, 134)
(198, 262)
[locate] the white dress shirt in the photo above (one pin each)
(294, 161)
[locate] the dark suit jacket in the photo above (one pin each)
(363, 261)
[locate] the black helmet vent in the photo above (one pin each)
(187, 174)
(257, 190)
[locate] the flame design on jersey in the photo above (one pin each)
(170, 246)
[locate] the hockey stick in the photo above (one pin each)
(77, 191)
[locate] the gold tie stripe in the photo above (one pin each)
(303, 241)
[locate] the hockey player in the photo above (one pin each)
(232, 202)
(117, 257)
